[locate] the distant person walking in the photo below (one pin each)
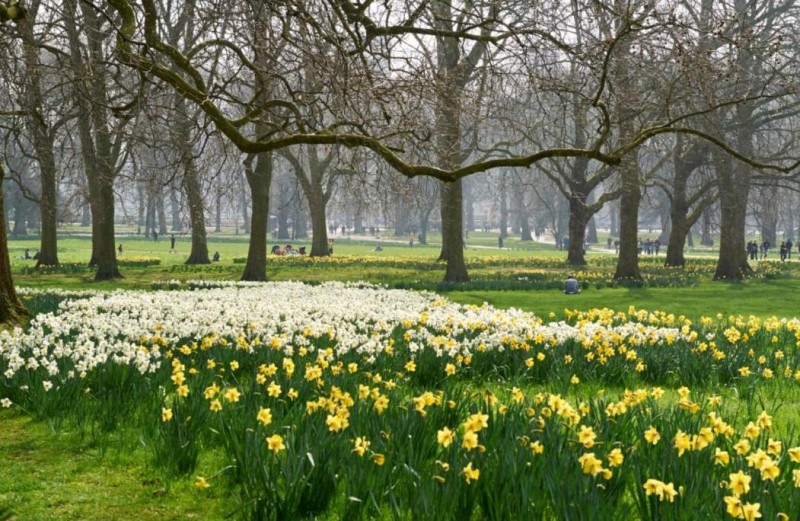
(172, 243)
(155, 236)
(789, 245)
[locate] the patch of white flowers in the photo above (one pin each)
(128, 327)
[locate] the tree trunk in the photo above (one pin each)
(503, 207)
(21, 209)
(706, 237)
(199, 253)
(452, 233)
(86, 215)
(259, 180)
(319, 225)
(43, 144)
(218, 213)
(578, 218)
(283, 223)
(677, 235)
(732, 263)
(733, 182)
(243, 205)
(613, 217)
(469, 206)
(628, 260)
(106, 242)
(162, 215)
(300, 226)
(175, 209)
(591, 231)
(191, 183)
(524, 225)
(12, 312)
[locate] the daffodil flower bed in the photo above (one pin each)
(364, 401)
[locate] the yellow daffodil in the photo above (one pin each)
(751, 511)
(471, 474)
(445, 437)
(739, 483)
(275, 443)
(587, 436)
(652, 436)
(264, 416)
(232, 395)
(615, 458)
(721, 457)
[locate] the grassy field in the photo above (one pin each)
(760, 298)
(55, 471)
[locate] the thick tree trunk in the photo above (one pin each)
(259, 180)
(732, 263)
(677, 235)
(452, 233)
(628, 260)
(319, 224)
(43, 144)
(199, 253)
(12, 312)
(106, 242)
(733, 181)
(191, 183)
(578, 219)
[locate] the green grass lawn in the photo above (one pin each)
(760, 298)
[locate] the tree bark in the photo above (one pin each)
(578, 219)
(98, 152)
(162, 214)
(452, 238)
(43, 143)
(12, 312)
(319, 225)
(628, 260)
(175, 209)
(191, 184)
(259, 180)
(732, 262)
(503, 206)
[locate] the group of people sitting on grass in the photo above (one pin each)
(288, 250)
